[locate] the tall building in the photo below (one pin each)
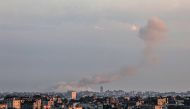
(3, 106)
(73, 95)
(37, 104)
(101, 89)
(14, 103)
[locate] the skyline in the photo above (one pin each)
(44, 43)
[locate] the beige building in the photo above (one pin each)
(161, 102)
(37, 104)
(159, 107)
(14, 103)
(74, 95)
(3, 106)
(75, 106)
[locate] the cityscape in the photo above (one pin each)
(117, 99)
(94, 54)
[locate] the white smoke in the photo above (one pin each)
(85, 83)
(152, 34)
(112, 24)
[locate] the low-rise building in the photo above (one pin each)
(14, 103)
(3, 105)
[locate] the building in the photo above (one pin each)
(101, 89)
(37, 104)
(73, 95)
(27, 104)
(14, 103)
(161, 103)
(75, 106)
(160, 107)
(3, 105)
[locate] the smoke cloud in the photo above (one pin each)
(154, 31)
(152, 34)
(85, 83)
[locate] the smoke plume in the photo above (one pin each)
(85, 83)
(152, 34)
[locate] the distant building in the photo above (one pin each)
(17, 104)
(160, 107)
(14, 103)
(75, 106)
(3, 106)
(27, 104)
(101, 89)
(161, 103)
(73, 95)
(48, 103)
(37, 104)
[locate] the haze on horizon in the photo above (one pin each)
(48, 42)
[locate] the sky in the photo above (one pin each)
(47, 42)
